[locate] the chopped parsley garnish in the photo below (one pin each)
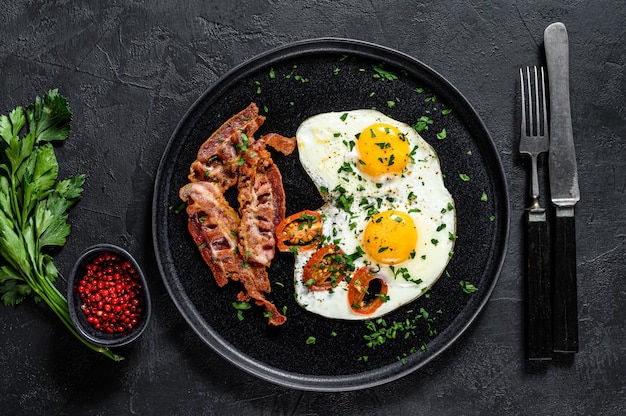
(310, 219)
(382, 74)
(467, 287)
(180, 208)
(383, 298)
(380, 331)
(346, 167)
(240, 307)
(404, 273)
(344, 200)
(349, 144)
(422, 124)
(300, 78)
(412, 154)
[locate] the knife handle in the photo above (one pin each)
(538, 295)
(565, 296)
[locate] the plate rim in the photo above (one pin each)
(228, 351)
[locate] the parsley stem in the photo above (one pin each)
(57, 302)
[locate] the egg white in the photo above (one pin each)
(328, 152)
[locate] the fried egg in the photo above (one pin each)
(387, 209)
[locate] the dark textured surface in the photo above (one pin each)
(131, 71)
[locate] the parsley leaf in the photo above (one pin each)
(382, 74)
(34, 205)
(468, 287)
(422, 124)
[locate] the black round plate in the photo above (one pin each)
(308, 352)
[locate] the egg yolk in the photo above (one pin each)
(390, 237)
(383, 149)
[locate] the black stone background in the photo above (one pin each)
(132, 69)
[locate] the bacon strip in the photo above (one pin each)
(213, 224)
(261, 204)
(238, 248)
(218, 156)
(285, 145)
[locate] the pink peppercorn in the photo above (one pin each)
(111, 294)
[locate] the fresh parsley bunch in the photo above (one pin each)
(34, 205)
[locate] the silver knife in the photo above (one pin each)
(564, 192)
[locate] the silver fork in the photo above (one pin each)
(534, 135)
(535, 140)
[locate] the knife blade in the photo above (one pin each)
(564, 191)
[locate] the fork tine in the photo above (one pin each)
(523, 93)
(545, 103)
(537, 104)
(530, 104)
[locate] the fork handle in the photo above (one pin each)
(538, 295)
(565, 289)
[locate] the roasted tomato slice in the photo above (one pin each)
(361, 290)
(301, 231)
(325, 269)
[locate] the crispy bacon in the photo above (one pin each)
(261, 204)
(238, 247)
(285, 145)
(217, 158)
(213, 224)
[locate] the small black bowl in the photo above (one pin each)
(79, 318)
